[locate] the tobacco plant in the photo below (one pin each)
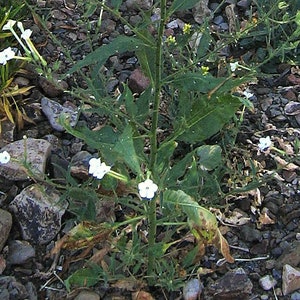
(158, 180)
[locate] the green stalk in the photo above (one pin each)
(153, 140)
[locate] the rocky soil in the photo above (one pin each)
(261, 225)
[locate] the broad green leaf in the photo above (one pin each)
(204, 44)
(103, 140)
(208, 116)
(125, 148)
(210, 156)
(85, 277)
(116, 4)
(202, 223)
(82, 203)
(196, 82)
(146, 57)
(90, 9)
(192, 81)
(143, 105)
(127, 98)
(99, 56)
(181, 5)
(164, 154)
(178, 170)
(191, 182)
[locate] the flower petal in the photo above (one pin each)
(26, 34)
(4, 157)
(147, 189)
(9, 25)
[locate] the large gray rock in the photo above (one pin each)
(7, 132)
(34, 151)
(10, 288)
(19, 252)
(234, 285)
(53, 111)
(290, 256)
(38, 210)
(5, 226)
(87, 295)
(290, 279)
(201, 12)
(139, 4)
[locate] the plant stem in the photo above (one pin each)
(153, 139)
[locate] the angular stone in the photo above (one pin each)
(139, 4)
(201, 12)
(19, 252)
(38, 210)
(290, 279)
(34, 151)
(290, 256)
(5, 226)
(7, 132)
(12, 288)
(267, 282)
(52, 88)
(53, 111)
(192, 289)
(233, 285)
(292, 108)
(138, 82)
(87, 295)
(250, 234)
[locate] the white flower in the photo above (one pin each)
(20, 26)
(4, 157)
(264, 143)
(247, 94)
(234, 66)
(9, 25)
(6, 55)
(26, 34)
(147, 189)
(98, 169)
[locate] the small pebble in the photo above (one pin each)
(267, 282)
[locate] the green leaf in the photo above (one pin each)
(125, 148)
(127, 97)
(210, 156)
(90, 9)
(207, 117)
(146, 57)
(204, 44)
(103, 139)
(82, 203)
(116, 4)
(203, 224)
(178, 170)
(191, 183)
(85, 277)
(164, 153)
(196, 82)
(143, 105)
(182, 5)
(99, 56)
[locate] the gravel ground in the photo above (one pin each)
(261, 225)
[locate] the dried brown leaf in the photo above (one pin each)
(286, 165)
(285, 146)
(141, 295)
